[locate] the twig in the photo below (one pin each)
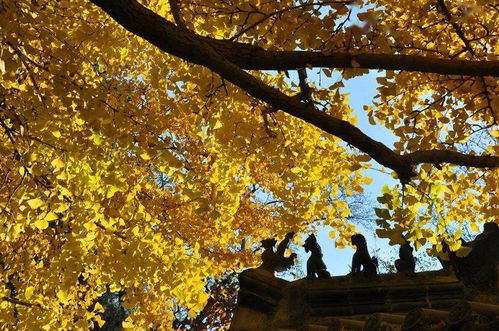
(22, 303)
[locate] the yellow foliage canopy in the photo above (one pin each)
(142, 165)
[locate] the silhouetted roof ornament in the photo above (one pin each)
(406, 262)
(362, 263)
(479, 267)
(275, 260)
(316, 268)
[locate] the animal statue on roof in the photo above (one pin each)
(478, 268)
(275, 260)
(406, 262)
(361, 260)
(316, 268)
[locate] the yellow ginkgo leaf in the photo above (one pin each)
(455, 245)
(340, 243)
(28, 293)
(51, 216)
(35, 203)
(63, 296)
(98, 308)
(41, 224)
(217, 125)
(57, 163)
(99, 320)
(127, 325)
(61, 208)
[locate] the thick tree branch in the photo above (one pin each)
(192, 48)
(252, 57)
(256, 58)
(441, 156)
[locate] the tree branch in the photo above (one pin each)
(21, 303)
(192, 48)
(457, 28)
(441, 156)
(256, 58)
(252, 57)
(305, 90)
(175, 8)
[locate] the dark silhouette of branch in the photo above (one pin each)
(446, 156)
(457, 28)
(21, 303)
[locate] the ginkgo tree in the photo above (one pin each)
(149, 145)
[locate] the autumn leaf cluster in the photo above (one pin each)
(125, 167)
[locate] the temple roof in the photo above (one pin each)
(424, 300)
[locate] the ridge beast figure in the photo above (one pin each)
(361, 257)
(479, 268)
(315, 265)
(406, 262)
(275, 260)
